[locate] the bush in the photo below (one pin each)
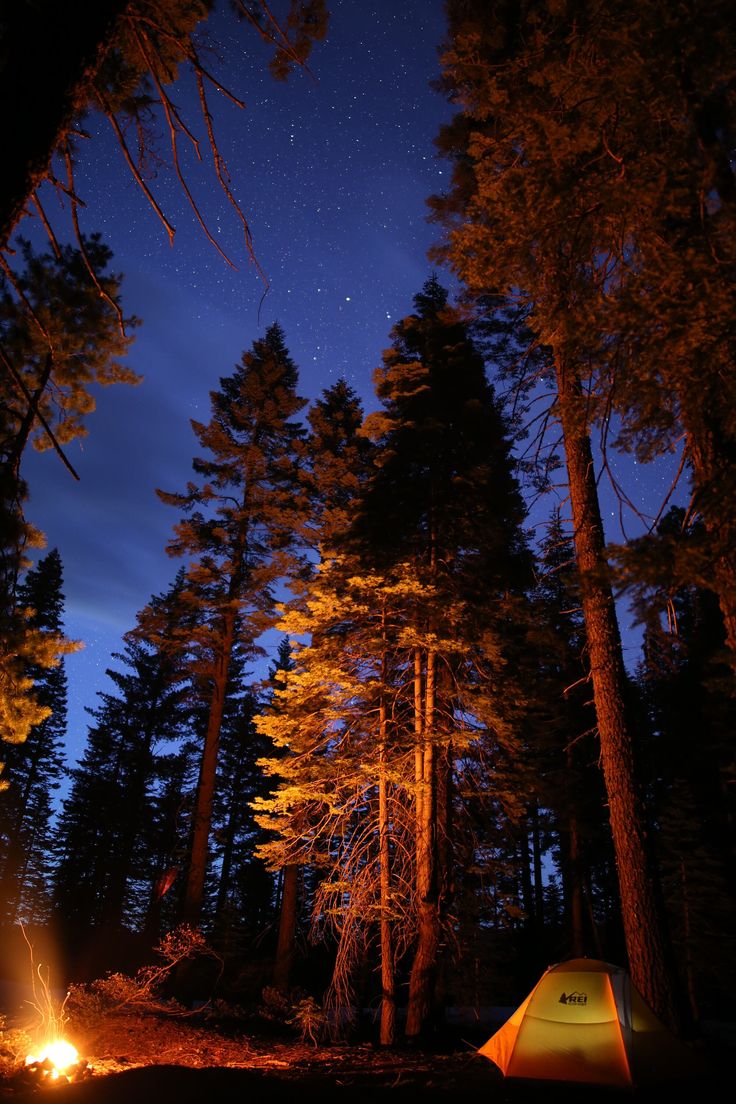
(86, 1002)
(295, 1009)
(15, 1044)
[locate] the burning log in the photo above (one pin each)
(58, 1063)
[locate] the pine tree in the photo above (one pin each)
(525, 220)
(104, 869)
(34, 768)
(240, 526)
(666, 350)
(403, 619)
(327, 787)
(444, 500)
(62, 331)
(327, 720)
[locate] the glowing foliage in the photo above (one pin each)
(397, 647)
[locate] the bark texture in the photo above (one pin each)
(202, 821)
(643, 922)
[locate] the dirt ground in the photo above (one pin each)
(149, 1059)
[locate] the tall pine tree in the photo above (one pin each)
(525, 220)
(240, 525)
(406, 622)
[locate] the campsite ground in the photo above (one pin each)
(153, 1060)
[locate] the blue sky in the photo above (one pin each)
(332, 170)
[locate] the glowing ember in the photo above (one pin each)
(60, 1054)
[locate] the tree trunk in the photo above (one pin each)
(421, 982)
(202, 821)
(388, 982)
(287, 929)
(644, 928)
(388, 985)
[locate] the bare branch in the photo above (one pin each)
(46, 225)
(172, 120)
(107, 108)
(33, 406)
(221, 170)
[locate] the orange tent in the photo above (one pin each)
(585, 1021)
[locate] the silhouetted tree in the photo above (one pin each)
(104, 869)
(35, 767)
(686, 689)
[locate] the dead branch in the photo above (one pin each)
(46, 225)
(172, 120)
(108, 111)
(222, 173)
(673, 485)
(33, 407)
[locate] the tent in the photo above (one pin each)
(585, 1021)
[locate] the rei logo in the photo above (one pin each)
(575, 997)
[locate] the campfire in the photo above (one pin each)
(57, 1062)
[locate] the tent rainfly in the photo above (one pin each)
(585, 1021)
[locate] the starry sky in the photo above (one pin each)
(332, 169)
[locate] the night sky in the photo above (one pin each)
(333, 171)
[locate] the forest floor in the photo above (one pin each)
(153, 1059)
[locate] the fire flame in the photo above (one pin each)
(60, 1054)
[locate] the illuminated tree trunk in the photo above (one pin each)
(421, 983)
(388, 986)
(287, 928)
(388, 983)
(642, 919)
